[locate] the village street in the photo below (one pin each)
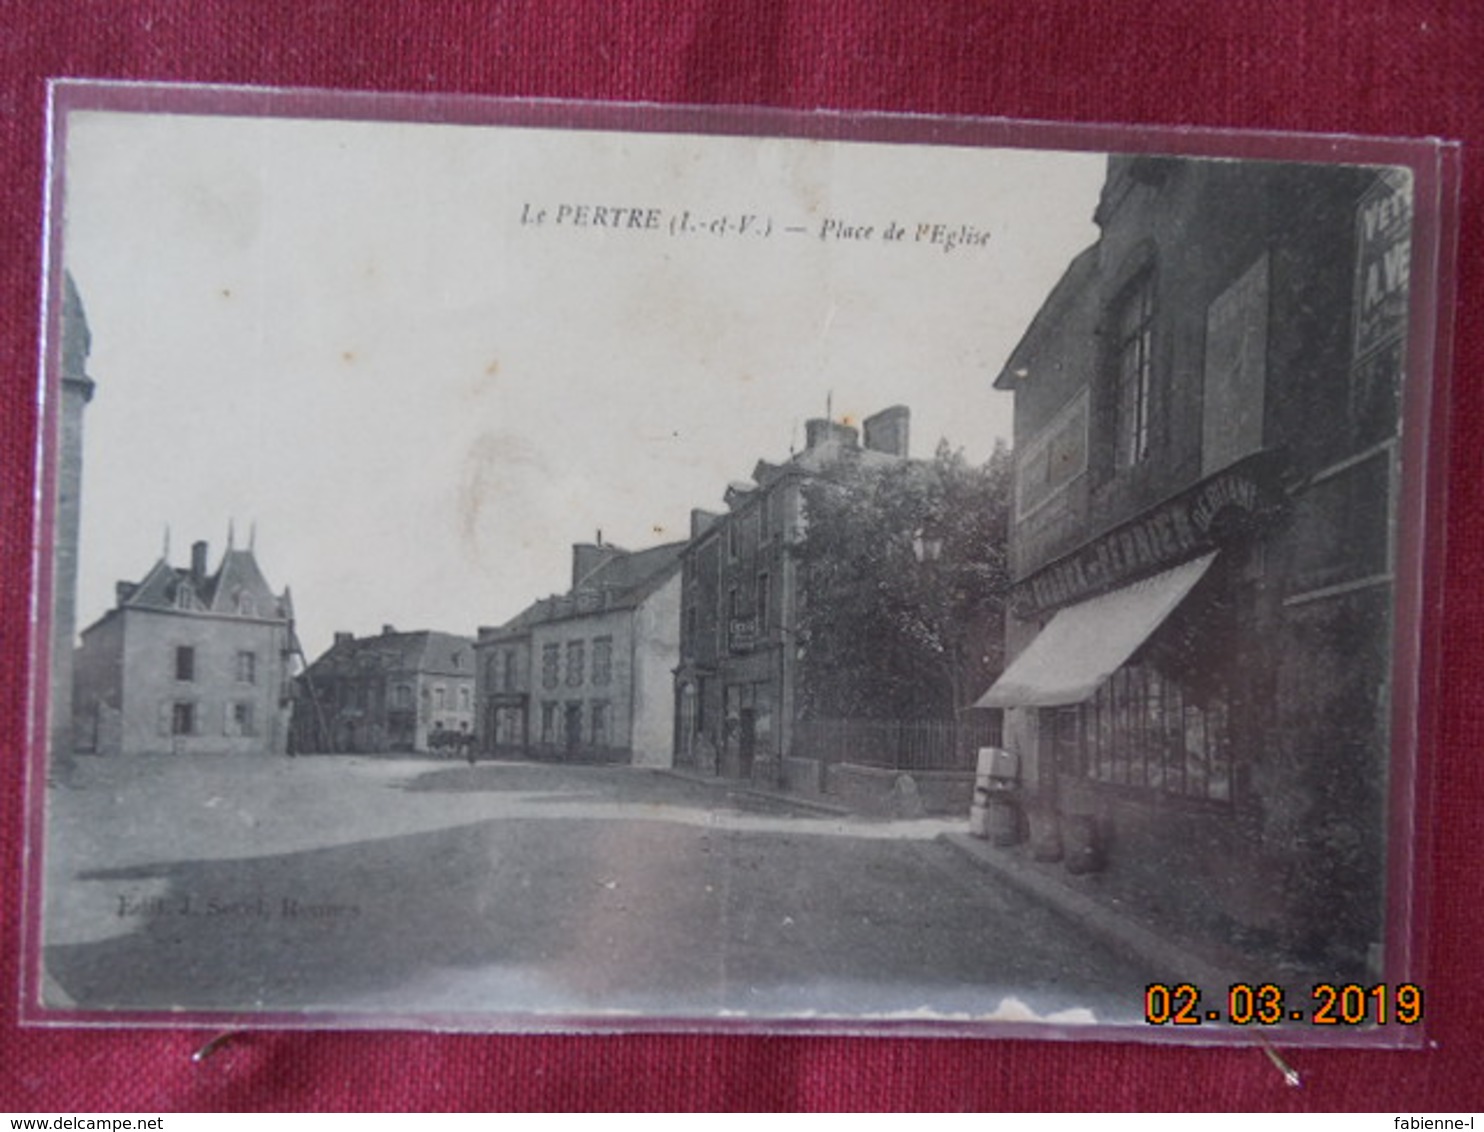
(355, 883)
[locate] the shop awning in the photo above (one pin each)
(1084, 644)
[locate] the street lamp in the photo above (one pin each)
(927, 548)
(927, 542)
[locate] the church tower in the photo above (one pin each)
(76, 392)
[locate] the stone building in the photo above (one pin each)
(76, 390)
(586, 675)
(396, 691)
(736, 685)
(188, 661)
(1206, 424)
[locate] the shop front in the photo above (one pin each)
(506, 727)
(1141, 704)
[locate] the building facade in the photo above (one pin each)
(76, 391)
(188, 662)
(396, 691)
(586, 675)
(736, 685)
(1206, 423)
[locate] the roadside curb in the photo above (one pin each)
(1165, 960)
(736, 786)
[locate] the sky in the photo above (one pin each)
(420, 361)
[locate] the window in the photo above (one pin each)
(510, 671)
(551, 662)
(463, 697)
(762, 601)
(600, 723)
(1133, 372)
(185, 665)
(439, 696)
(575, 662)
(247, 668)
(1145, 730)
(402, 696)
(183, 719)
(548, 722)
(603, 660)
(240, 721)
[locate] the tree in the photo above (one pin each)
(887, 630)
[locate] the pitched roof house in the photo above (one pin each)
(1208, 462)
(397, 691)
(188, 661)
(736, 683)
(587, 674)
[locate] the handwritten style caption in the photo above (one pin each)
(685, 224)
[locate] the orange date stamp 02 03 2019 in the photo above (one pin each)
(1269, 1004)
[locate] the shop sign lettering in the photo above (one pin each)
(1383, 261)
(1162, 537)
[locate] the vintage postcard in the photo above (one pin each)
(517, 565)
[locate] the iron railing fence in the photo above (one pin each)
(895, 744)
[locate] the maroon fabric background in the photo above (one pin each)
(1378, 66)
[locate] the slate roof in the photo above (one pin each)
(427, 651)
(622, 582)
(236, 588)
(825, 457)
(632, 576)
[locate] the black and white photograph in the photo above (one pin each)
(513, 566)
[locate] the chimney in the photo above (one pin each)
(198, 562)
(888, 431)
(819, 431)
(588, 556)
(388, 630)
(343, 638)
(701, 521)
